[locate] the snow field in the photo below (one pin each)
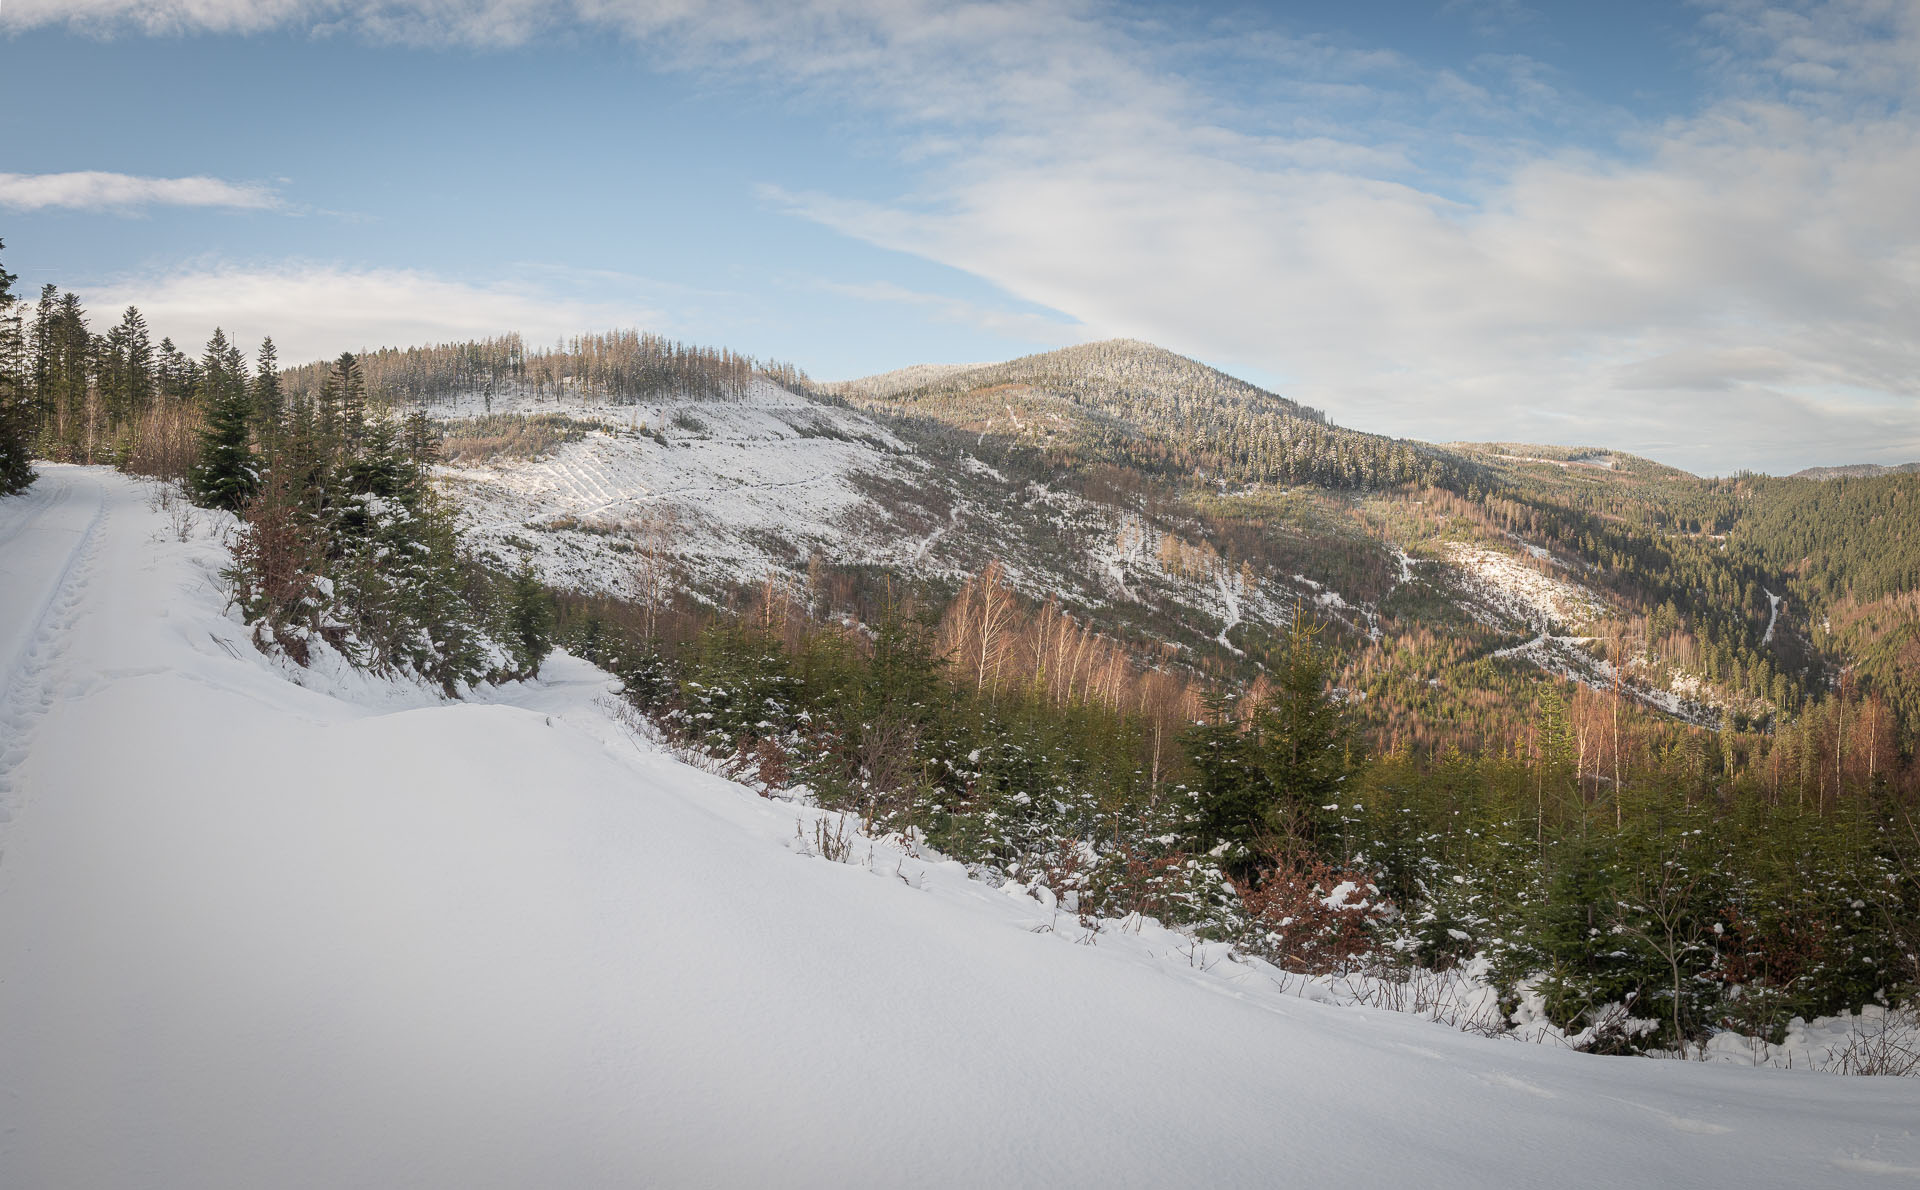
(736, 478)
(253, 933)
(1515, 592)
(763, 484)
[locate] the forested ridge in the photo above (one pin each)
(1132, 403)
(1639, 881)
(620, 365)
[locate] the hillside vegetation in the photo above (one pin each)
(1129, 402)
(1629, 748)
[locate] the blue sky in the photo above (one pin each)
(1681, 229)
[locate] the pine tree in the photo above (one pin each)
(1276, 776)
(16, 431)
(266, 388)
(126, 369)
(529, 620)
(225, 475)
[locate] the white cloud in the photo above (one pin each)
(1402, 246)
(1033, 327)
(317, 311)
(1733, 288)
(94, 190)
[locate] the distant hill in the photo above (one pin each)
(1190, 515)
(885, 384)
(1854, 471)
(1132, 404)
(1590, 458)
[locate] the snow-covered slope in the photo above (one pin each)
(733, 492)
(255, 934)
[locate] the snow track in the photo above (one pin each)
(46, 549)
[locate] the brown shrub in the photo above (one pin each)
(1309, 916)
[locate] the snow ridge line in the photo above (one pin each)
(25, 697)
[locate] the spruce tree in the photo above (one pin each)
(16, 430)
(266, 389)
(529, 620)
(225, 475)
(1307, 742)
(126, 368)
(1274, 776)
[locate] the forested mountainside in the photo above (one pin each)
(1539, 699)
(1698, 590)
(617, 365)
(1853, 471)
(1174, 508)
(1137, 404)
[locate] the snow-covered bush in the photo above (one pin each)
(1304, 914)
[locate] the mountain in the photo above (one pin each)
(273, 926)
(1175, 509)
(1854, 471)
(1132, 403)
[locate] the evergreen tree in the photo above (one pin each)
(176, 376)
(529, 620)
(1275, 776)
(344, 400)
(225, 475)
(126, 368)
(1232, 792)
(16, 428)
(1308, 744)
(267, 400)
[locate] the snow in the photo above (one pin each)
(254, 933)
(1829, 1043)
(777, 479)
(1509, 592)
(764, 482)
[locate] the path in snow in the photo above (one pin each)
(46, 547)
(253, 934)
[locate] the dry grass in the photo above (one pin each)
(1887, 1044)
(510, 435)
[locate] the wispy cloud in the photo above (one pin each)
(315, 311)
(96, 190)
(1014, 324)
(1417, 250)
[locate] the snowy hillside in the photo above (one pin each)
(734, 489)
(732, 492)
(259, 934)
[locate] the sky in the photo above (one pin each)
(1686, 230)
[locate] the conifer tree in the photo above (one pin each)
(16, 453)
(1274, 776)
(350, 398)
(126, 369)
(266, 388)
(529, 620)
(225, 475)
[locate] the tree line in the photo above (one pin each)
(621, 365)
(1638, 890)
(1139, 406)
